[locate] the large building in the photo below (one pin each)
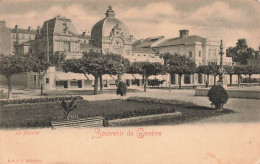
(109, 35)
(200, 50)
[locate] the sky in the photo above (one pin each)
(213, 19)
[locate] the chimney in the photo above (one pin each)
(184, 33)
(29, 28)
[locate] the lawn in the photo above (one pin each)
(18, 115)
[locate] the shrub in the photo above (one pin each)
(218, 96)
(39, 100)
(67, 108)
(121, 89)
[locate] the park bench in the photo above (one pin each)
(89, 122)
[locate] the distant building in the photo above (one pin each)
(143, 52)
(200, 50)
(255, 62)
(19, 36)
(5, 39)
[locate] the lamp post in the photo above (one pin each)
(221, 68)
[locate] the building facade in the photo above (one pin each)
(200, 50)
(109, 35)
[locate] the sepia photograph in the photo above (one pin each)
(137, 81)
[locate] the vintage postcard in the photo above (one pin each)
(129, 82)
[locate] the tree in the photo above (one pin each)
(97, 64)
(10, 65)
(250, 70)
(99, 60)
(86, 66)
(166, 57)
(208, 70)
(231, 71)
(239, 70)
(147, 69)
(241, 52)
(181, 65)
(116, 65)
(40, 64)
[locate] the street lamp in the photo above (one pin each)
(221, 68)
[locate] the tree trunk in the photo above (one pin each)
(207, 82)
(238, 80)
(145, 83)
(170, 86)
(215, 76)
(41, 83)
(96, 85)
(9, 87)
(101, 83)
(119, 78)
(230, 80)
(180, 81)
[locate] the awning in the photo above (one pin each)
(138, 76)
(71, 76)
(159, 77)
(107, 77)
(128, 76)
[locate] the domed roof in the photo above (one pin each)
(106, 25)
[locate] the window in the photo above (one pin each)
(199, 53)
(59, 83)
(74, 83)
(14, 36)
(66, 46)
(47, 80)
(209, 52)
(214, 52)
(187, 79)
(190, 54)
(23, 37)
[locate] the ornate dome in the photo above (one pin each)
(105, 26)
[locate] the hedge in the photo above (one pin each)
(39, 100)
(140, 112)
(161, 101)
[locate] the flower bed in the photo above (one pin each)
(161, 101)
(139, 119)
(140, 112)
(38, 100)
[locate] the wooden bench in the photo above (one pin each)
(79, 123)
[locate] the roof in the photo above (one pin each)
(105, 26)
(24, 31)
(179, 41)
(59, 25)
(84, 46)
(143, 50)
(27, 43)
(147, 42)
